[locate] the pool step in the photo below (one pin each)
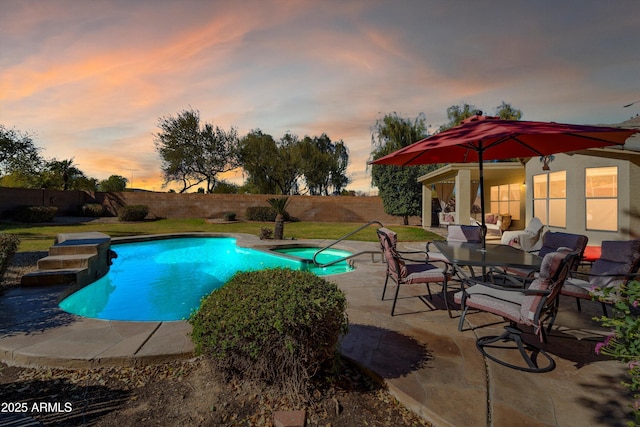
(63, 262)
(55, 277)
(76, 258)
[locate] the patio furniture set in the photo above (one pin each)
(522, 286)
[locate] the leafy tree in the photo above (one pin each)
(457, 113)
(257, 156)
(289, 164)
(272, 167)
(85, 183)
(114, 183)
(507, 112)
(18, 153)
(323, 164)
(225, 187)
(398, 185)
(193, 154)
(21, 179)
(282, 167)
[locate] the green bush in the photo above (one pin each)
(263, 214)
(277, 326)
(229, 216)
(8, 247)
(133, 212)
(265, 233)
(34, 214)
(260, 213)
(93, 209)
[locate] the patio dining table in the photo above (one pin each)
(473, 255)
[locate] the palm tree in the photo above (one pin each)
(279, 205)
(65, 170)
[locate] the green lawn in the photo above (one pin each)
(40, 238)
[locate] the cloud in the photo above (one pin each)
(92, 78)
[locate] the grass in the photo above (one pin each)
(35, 237)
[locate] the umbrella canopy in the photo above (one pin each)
(482, 138)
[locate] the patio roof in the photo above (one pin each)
(502, 170)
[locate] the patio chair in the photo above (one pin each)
(530, 306)
(456, 233)
(408, 273)
(552, 242)
(618, 263)
(529, 239)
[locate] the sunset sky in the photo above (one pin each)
(90, 79)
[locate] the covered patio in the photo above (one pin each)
(456, 187)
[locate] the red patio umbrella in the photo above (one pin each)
(482, 138)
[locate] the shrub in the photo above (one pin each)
(624, 342)
(93, 209)
(265, 233)
(8, 247)
(133, 212)
(35, 213)
(229, 216)
(263, 214)
(276, 326)
(260, 213)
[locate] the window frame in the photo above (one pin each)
(608, 199)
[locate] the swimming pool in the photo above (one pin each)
(164, 280)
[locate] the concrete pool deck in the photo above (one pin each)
(424, 360)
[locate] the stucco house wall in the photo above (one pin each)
(575, 166)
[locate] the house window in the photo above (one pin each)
(505, 199)
(601, 193)
(550, 198)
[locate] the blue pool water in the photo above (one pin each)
(164, 280)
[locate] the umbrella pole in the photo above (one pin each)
(481, 185)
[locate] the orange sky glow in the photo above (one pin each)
(91, 79)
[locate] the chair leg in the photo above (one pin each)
(604, 309)
(395, 298)
(578, 304)
(384, 290)
(429, 290)
(464, 313)
(444, 297)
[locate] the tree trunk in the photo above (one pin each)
(278, 233)
(406, 219)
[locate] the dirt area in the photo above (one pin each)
(184, 393)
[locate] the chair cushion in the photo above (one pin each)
(554, 240)
(500, 302)
(626, 251)
(464, 233)
(423, 273)
(388, 241)
(576, 288)
(392, 235)
(548, 270)
(617, 258)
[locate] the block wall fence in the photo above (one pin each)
(197, 205)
